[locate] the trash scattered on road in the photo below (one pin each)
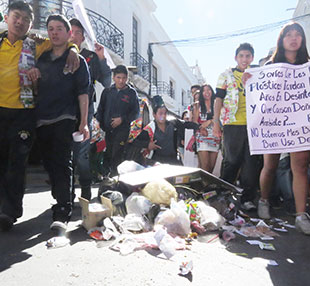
(262, 245)
(93, 213)
(280, 229)
(286, 225)
(168, 207)
(186, 267)
(227, 235)
(273, 263)
(57, 241)
(267, 246)
(175, 219)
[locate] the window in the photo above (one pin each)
(134, 39)
(183, 97)
(154, 75)
(171, 87)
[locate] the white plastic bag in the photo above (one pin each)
(175, 219)
(165, 243)
(136, 223)
(57, 241)
(137, 204)
(128, 167)
(209, 217)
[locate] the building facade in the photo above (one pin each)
(302, 13)
(134, 37)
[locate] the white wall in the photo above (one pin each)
(167, 59)
(170, 64)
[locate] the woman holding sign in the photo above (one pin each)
(291, 49)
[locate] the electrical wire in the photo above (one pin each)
(220, 37)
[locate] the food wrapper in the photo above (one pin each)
(186, 267)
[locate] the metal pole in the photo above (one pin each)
(150, 58)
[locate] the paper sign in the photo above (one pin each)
(81, 15)
(278, 108)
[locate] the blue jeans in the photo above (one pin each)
(81, 157)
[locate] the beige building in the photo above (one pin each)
(302, 13)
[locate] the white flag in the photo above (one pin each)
(81, 15)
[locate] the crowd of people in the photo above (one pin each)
(47, 92)
(227, 116)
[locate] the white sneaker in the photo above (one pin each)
(302, 223)
(263, 209)
(59, 228)
(248, 206)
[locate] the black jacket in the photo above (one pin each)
(58, 92)
(117, 103)
(99, 71)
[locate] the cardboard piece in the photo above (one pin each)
(93, 213)
(175, 175)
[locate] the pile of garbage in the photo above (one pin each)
(167, 208)
(159, 214)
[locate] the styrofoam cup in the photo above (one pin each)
(78, 136)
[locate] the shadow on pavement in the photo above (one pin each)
(24, 235)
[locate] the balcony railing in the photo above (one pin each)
(106, 33)
(3, 6)
(162, 88)
(141, 64)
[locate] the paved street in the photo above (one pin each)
(25, 260)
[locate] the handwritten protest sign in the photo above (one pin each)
(278, 108)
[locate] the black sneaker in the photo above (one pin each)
(86, 193)
(248, 206)
(62, 213)
(6, 222)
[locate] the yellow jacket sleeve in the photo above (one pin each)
(46, 45)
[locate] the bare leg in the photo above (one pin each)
(268, 173)
(207, 160)
(203, 159)
(212, 160)
(299, 165)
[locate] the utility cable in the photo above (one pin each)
(224, 36)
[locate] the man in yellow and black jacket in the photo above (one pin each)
(18, 53)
